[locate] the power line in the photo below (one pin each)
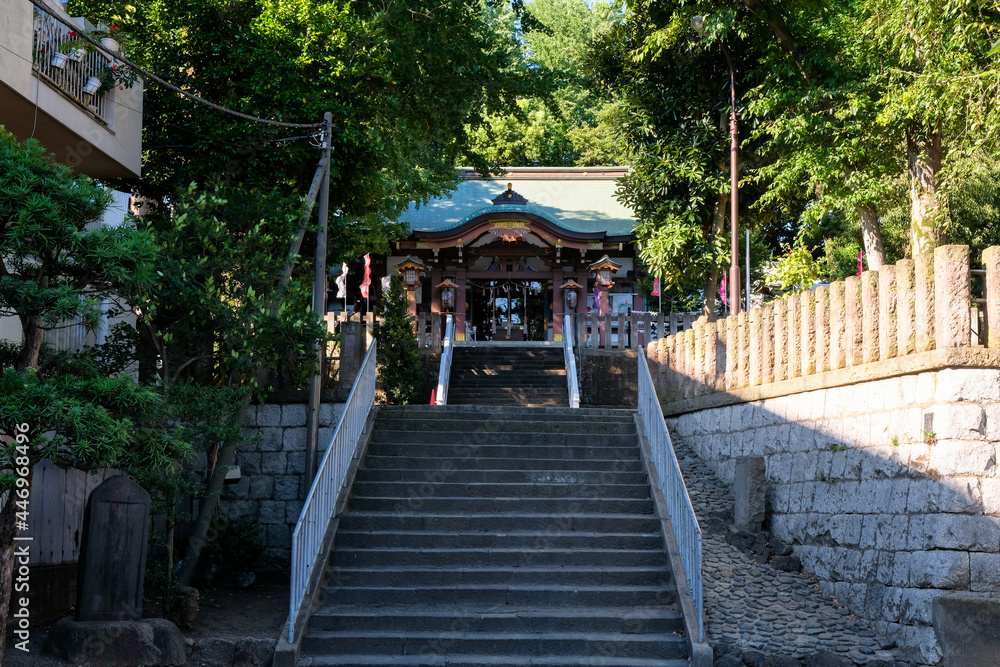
(194, 98)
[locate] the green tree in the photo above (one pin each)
(400, 369)
(218, 311)
(673, 126)
(939, 76)
(54, 266)
(405, 81)
(570, 126)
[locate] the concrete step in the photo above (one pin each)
(549, 415)
(418, 476)
(441, 659)
(532, 401)
(524, 385)
(497, 536)
(504, 445)
(511, 414)
(512, 397)
(475, 437)
(496, 540)
(477, 463)
(438, 618)
(511, 371)
(427, 521)
(512, 558)
(460, 424)
(488, 643)
(543, 594)
(467, 505)
(364, 489)
(528, 574)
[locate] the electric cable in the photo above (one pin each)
(194, 98)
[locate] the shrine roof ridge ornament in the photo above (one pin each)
(509, 197)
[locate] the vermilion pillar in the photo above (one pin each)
(460, 305)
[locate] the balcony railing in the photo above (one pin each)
(72, 76)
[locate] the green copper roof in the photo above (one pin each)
(577, 199)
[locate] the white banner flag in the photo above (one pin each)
(342, 282)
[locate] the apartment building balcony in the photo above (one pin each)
(97, 134)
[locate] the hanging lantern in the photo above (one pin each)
(571, 290)
(447, 288)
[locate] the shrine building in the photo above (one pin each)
(509, 255)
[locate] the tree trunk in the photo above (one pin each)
(8, 560)
(712, 282)
(927, 207)
(871, 232)
(773, 20)
(206, 509)
(32, 344)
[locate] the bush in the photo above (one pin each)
(400, 369)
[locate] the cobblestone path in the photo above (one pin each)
(751, 607)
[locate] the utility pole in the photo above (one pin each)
(319, 306)
(734, 188)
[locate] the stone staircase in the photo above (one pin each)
(515, 536)
(508, 375)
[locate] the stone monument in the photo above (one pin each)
(750, 489)
(108, 630)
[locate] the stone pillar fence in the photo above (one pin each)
(900, 312)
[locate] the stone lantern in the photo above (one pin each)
(604, 269)
(411, 269)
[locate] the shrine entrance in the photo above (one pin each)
(509, 309)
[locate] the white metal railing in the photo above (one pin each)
(77, 66)
(569, 356)
(681, 513)
(447, 352)
(307, 540)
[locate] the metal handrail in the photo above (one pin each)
(569, 356)
(328, 485)
(687, 533)
(447, 352)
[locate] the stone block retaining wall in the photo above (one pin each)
(875, 402)
(888, 489)
(270, 489)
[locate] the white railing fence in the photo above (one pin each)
(310, 531)
(447, 352)
(66, 68)
(569, 355)
(681, 513)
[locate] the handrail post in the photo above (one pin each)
(569, 356)
(444, 371)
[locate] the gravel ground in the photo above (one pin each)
(751, 607)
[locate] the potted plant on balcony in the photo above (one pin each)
(115, 74)
(110, 37)
(77, 46)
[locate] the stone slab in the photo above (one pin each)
(153, 642)
(968, 630)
